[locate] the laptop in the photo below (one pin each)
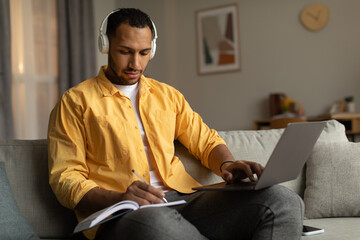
(286, 160)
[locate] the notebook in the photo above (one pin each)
(286, 160)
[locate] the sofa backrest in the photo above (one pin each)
(26, 164)
(256, 146)
(27, 170)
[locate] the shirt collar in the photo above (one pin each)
(108, 89)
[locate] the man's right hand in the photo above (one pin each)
(143, 193)
(98, 198)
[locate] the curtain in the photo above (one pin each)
(77, 59)
(34, 51)
(6, 119)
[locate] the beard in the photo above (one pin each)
(116, 77)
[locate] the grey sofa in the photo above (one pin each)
(38, 214)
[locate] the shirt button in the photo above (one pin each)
(136, 127)
(129, 106)
(141, 150)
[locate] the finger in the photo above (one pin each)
(236, 171)
(229, 172)
(227, 176)
(153, 191)
(257, 169)
(133, 193)
(248, 170)
(144, 193)
(245, 169)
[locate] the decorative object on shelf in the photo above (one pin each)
(350, 104)
(315, 16)
(282, 106)
(288, 105)
(337, 107)
(275, 100)
(218, 48)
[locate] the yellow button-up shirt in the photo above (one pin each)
(94, 138)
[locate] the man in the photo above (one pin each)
(121, 121)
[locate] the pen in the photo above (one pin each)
(136, 174)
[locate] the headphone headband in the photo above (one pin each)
(103, 41)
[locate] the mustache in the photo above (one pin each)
(133, 70)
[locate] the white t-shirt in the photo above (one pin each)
(131, 91)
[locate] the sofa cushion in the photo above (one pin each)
(12, 223)
(346, 228)
(31, 188)
(333, 180)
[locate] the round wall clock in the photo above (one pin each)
(315, 16)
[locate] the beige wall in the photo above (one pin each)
(102, 8)
(278, 55)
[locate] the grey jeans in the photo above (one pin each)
(272, 213)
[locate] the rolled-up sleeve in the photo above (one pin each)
(68, 171)
(193, 133)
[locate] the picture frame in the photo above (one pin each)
(218, 41)
(337, 107)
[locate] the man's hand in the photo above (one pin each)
(232, 170)
(97, 198)
(143, 193)
(238, 170)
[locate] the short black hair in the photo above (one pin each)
(133, 17)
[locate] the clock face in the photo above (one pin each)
(315, 16)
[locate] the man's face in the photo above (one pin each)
(129, 54)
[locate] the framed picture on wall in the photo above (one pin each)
(218, 47)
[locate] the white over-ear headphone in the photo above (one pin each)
(103, 41)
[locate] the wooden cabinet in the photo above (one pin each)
(351, 121)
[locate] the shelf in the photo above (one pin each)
(351, 121)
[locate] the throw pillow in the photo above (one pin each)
(333, 180)
(12, 224)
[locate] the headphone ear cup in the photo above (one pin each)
(153, 48)
(103, 43)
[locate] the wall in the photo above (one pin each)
(277, 53)
(101, 9)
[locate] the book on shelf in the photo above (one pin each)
(117, 210)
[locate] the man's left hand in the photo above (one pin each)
(239, 170)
